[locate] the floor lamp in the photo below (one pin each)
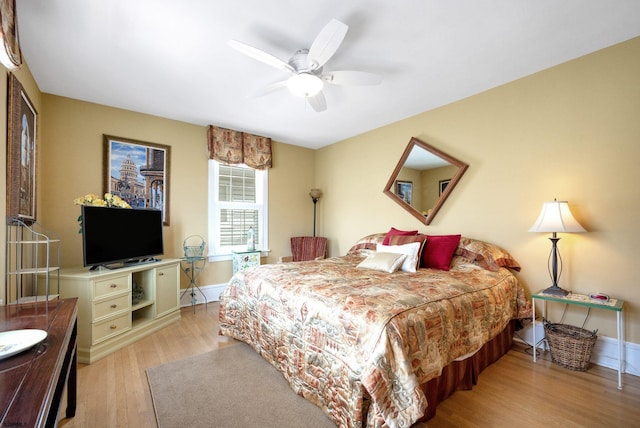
(556, 217)
(315, 195)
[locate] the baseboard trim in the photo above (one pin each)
(212, 293)
(605, 351)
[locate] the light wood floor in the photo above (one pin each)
(513, 392)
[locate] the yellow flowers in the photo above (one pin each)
(108, 201)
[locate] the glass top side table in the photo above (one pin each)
(584, 300)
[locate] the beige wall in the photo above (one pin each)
(431, 183)
(571, 132)
(72, 153)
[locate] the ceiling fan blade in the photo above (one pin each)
(269, 88)
(348, 77)
(260, 55)
(318, 102)
(326, 43)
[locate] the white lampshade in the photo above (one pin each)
(556, 217)
(304, 84)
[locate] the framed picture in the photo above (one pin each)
(21, 153)
(443, 185)
(404, 190)
(138, 172)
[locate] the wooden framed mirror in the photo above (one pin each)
(423, 179)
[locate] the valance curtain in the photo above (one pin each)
(235, 147)
(10, 54)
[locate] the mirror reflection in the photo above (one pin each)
(423, 179)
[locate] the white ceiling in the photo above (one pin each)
(171, 59)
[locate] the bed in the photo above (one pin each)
(377, 345)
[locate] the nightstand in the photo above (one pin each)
(584, 300)
(245, 259)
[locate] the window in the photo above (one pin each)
(237, 202)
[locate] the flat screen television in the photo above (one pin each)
(113, 237)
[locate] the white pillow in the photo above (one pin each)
(386, 262)
(412, 251)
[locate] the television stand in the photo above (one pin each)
(107, 318)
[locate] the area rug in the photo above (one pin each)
(228, 387)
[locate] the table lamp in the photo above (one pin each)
(556, 217)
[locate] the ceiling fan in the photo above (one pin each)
(305, 67)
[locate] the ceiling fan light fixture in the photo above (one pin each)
(304, 84)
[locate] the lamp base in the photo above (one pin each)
(555, 290)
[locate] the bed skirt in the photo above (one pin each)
(462, 375)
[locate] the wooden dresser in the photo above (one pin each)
(32, 382)
(109, 317)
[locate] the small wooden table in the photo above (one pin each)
(32, 382)
(584, 300)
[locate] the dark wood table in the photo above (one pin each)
(32, 382)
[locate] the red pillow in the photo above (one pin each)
(393, 232)
(438, 251)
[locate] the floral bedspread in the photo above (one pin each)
(358, 342)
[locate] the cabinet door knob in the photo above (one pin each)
(161, 274)
(114, 285)
(114, 306)
(113, 327)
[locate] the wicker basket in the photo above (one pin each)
(193, 247)
(570, 346)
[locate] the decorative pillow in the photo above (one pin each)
(412, 251)
(366, 245)
(487, 256)
(438, 251)
(407, 239)
(386, 262)
(393, 231)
